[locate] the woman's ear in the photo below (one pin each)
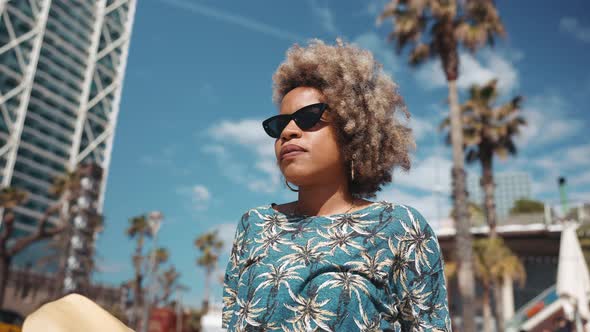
(327, 116)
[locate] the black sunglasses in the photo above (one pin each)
(305, 118)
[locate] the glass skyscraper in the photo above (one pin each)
(62, 64)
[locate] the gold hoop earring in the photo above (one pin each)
(287, 183)
(352, 170)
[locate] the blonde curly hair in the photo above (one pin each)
(363, 103)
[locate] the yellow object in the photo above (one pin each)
(73, 313)
(9, 328)
(10, 321)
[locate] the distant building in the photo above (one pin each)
(27, 290)
(509, 188)
(62, 65)
(536, 245)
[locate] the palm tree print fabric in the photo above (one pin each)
(376, 269)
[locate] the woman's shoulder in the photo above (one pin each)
(404, 214)
(411, 220)
(258, 211)
(399, 210)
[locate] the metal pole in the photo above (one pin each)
(563, 194)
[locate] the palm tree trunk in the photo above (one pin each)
(487, 310)
(64, 248)
(4, 275)
(6, 229)
(206, 294)
(488, 186)
(463, 239)
(137, 289)
(497, 287)
(507, 297)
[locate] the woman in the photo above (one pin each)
(333, 260)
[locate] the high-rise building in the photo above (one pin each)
(510, 187)
(62, 64)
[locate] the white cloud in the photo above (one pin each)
(245, 132)
(570, 160)
(380, 49)
(166, 159)
(423, 128)
(547, 121)
(199, 195)
(112, 267)
(325, 16)
(226, 233)
(578, 155)
(570, 25)
(472, 71)
(434, 207)
(259, 173)
(544, 163)
(432, 174)
(582, 178)
(215, 149)
(580, 196)
(511, 54)
(546, 166)
(268, 166)
(546, 184)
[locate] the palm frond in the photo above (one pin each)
(472, 36)
(445, 123)
(419, 54)
(138, 225)
(443, 9)
(509, 109)
(11, 197)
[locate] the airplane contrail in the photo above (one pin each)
(239, 20)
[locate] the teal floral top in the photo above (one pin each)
(375, 269)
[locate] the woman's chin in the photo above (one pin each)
(293, 177)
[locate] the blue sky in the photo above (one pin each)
(189, 141)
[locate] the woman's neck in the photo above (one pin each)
(323, 199)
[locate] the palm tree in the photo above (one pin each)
(475, 214)
(435, 28)
(138, 229)
(494, 264)
(169, 283)
(86, 222)
(10, 198)
(96, 226)
(488, 132)
(209, 245)
(158, 257)
(193, 319)
(66, 187)
(161, 256)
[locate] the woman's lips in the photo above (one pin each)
(291, 155)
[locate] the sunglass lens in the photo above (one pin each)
(309, 116)
(275, 125)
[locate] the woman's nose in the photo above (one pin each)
(291, 131)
